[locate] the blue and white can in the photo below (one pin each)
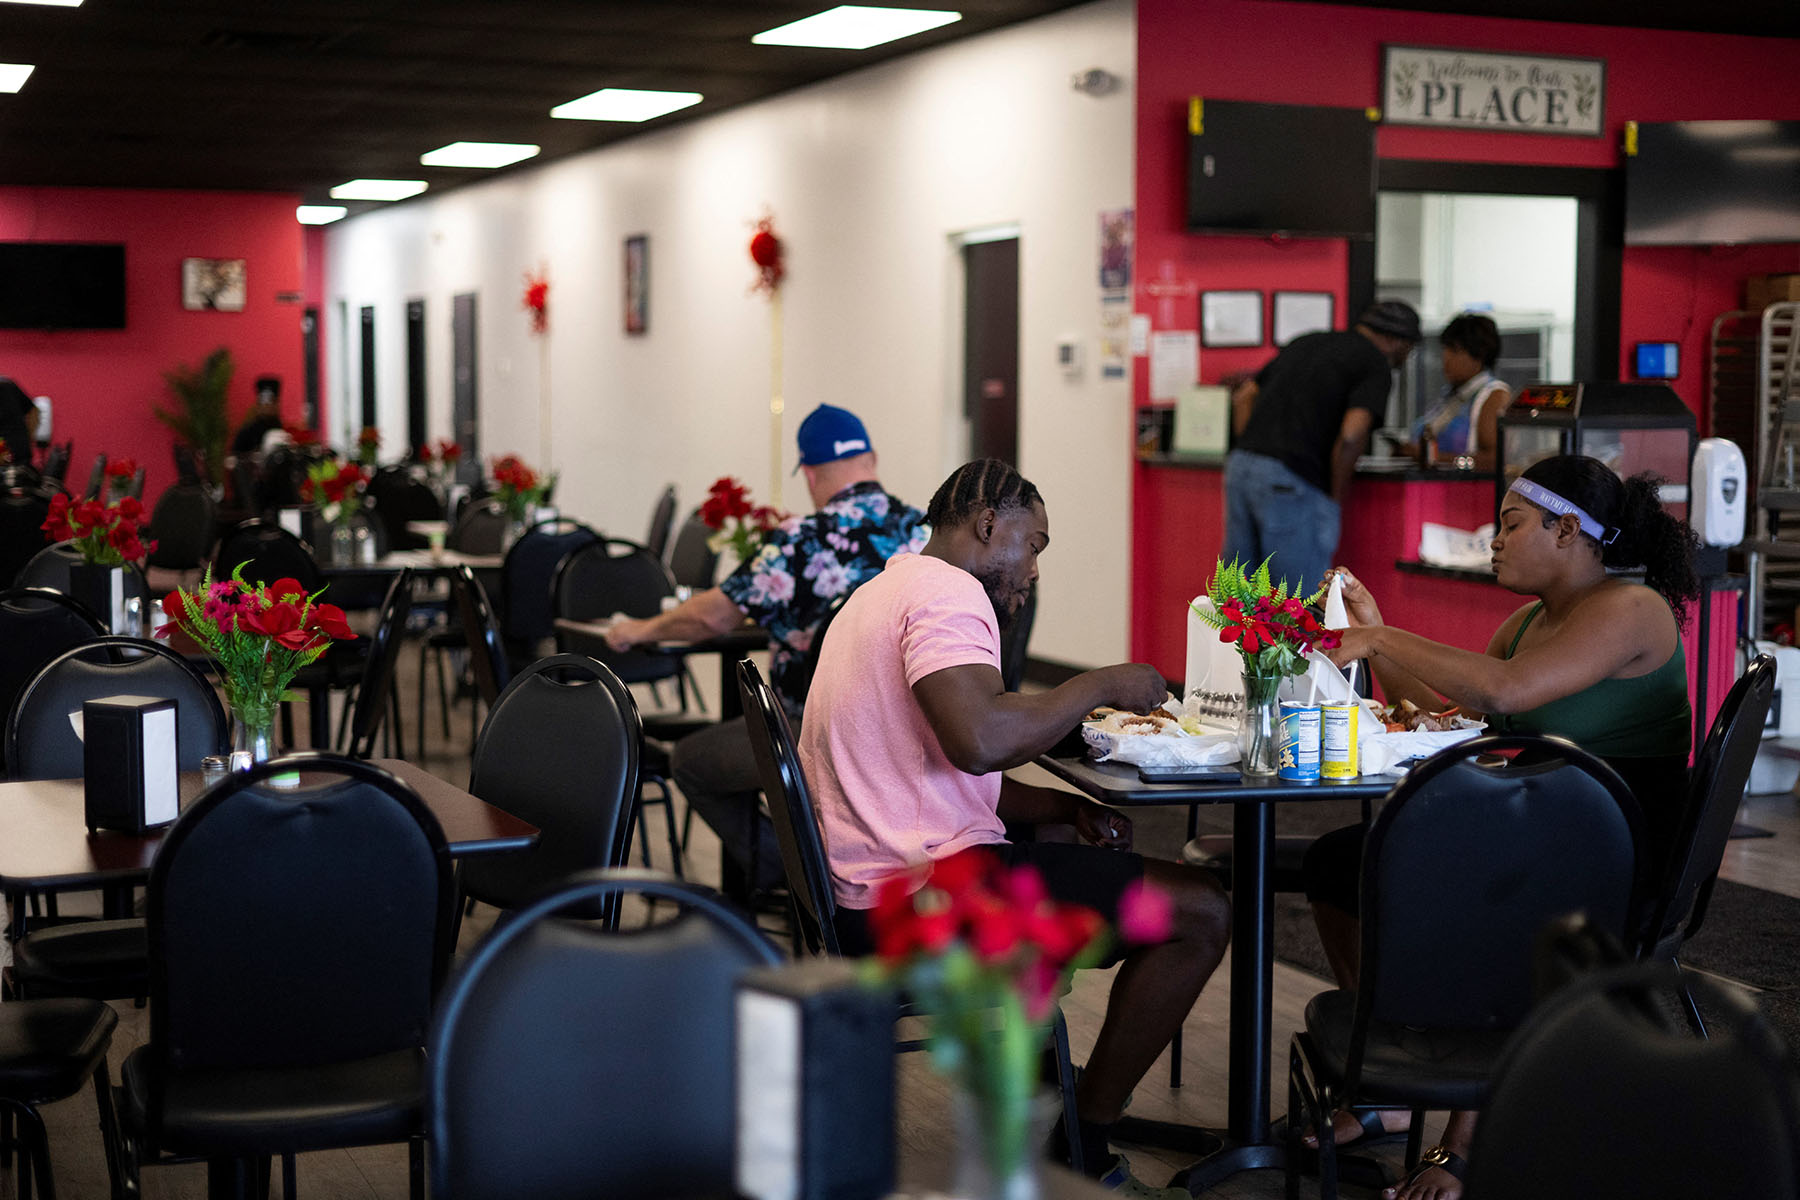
(1297, 755)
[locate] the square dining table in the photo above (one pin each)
(46, 846)
(1245, 1144)
(585, 636)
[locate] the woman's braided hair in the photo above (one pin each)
(1648, 536)
(984, 483)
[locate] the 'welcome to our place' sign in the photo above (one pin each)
(1468, 90)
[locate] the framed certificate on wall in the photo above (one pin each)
(1231, 319)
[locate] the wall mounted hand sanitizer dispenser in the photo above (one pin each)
(1719, 492)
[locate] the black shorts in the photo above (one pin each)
(1074, 873)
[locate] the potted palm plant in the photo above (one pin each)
(199, 417)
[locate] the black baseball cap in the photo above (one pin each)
(1395, 318)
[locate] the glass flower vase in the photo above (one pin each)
(250, 744)
(999, 1143)
(1259, 725)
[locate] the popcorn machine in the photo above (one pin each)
(1631, 427)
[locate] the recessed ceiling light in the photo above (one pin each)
(378, 189)
(320, 214)
(478, 154)
(855, 27)
(14, 75)
(625, 104)
(47, 3)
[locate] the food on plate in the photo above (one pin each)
(1130, 722)
(1407, 717)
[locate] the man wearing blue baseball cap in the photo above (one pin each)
(803, 567)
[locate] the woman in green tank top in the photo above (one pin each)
(1594, 657)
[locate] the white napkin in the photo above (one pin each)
(1335, 616)
(1322, 683)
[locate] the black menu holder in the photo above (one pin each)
(815, 1083)
(129, 750)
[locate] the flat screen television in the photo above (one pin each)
(1295, 169)
(1706, 183)
(62, 285)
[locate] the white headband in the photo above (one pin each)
(1544, 498)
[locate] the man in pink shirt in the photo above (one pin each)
(908, 728)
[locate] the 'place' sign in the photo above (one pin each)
(1464, 89)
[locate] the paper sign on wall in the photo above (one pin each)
(1174, 362)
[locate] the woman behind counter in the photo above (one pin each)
(1594, 658)
(1463, 423)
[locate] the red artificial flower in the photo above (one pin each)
(369, 436)
(1240, 629)
(281, 623)
(1146, 914)
(328, 619)
(537, 299)
(122, 468)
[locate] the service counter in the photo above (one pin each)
(1179, 524)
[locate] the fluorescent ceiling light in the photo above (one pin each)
(625, 104)
(478, 154)
(47, 3)
(319, 214)
(855, 27)
(14, 75)
(378, 189)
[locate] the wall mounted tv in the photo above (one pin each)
(1705, 183)
(62, 285)
(1293, 169)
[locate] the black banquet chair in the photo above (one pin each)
(1588, 1096)
(1721, 773)
(559, 749)
(662, 517)
(691, 561)
(182, 524)
(375, 710)
(22, 514)
(1463, 867)
(297, 938)
(568, 1059)
(48, 1050)
(37, 624)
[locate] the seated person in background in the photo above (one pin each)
(908, 727)
(787, 589)
(264, 419)
(1595, 658)
(1463, 423)
(18, 421)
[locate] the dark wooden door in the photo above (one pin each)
(991, 348)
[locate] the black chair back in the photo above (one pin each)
(40, 742)
(294, 928)
(1467, 862)
(281, 480)
(183, 525)
(790, 809)
(480, 528)
(617, 576)
(559, 749)
(1721, 773)
(56, 463)
(1605, 1048)
(37, 624)
(691, 561)
(136, 490)
(527, 611)
(187, 467)
(270, 553)
(96, 479)
(376, 686)
(399, 498)
(22, 515)
(1015, 643)
(662, 517)
(569, 1060)
(481, 632)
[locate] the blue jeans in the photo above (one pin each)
(1270, 511)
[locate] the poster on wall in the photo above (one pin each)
(213, 283)
(637, 283)
(1467, 89)
(1115, 333)
(1116, 235)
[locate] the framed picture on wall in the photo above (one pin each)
(1231, 319)
(213, 283)
(637, 283)
(1298, 313)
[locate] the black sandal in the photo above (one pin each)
(1450, 1162)
(1374, 1133)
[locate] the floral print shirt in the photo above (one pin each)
(809, 562)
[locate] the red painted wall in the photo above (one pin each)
(105, 384)
(1329, 54)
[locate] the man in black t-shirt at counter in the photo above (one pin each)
(1299, 427)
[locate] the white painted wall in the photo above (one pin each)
(870, 178)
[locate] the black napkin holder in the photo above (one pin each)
(130, 746)
(815, 1083)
